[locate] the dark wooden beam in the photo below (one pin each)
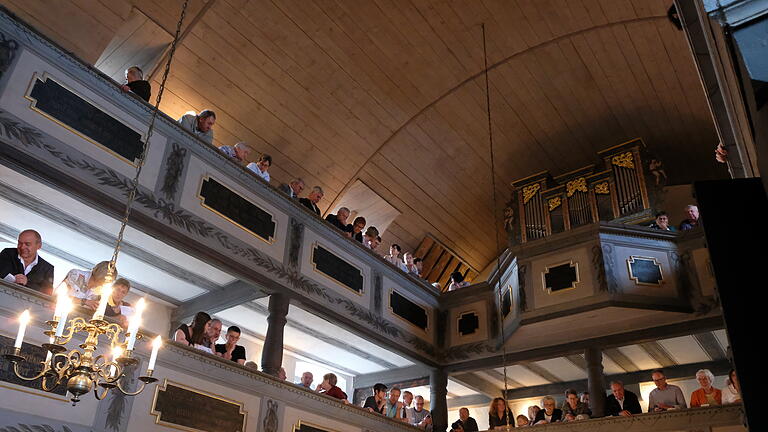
(620, 359)
(578, 360)
(477, 384)
(658, 353)
(710, 345)
(468, 401)
(234, 294)
(409, 373)
(541, 371)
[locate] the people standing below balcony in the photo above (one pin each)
(468, 423)
(378, 401)
(261, 167)
(394, 256)
(409, 264)
(328, 387)
(693, 218)
(339, 220)
(393, 405)
(306, 380)
(573, 408)
(231, 350)
(422, 419)
(664, 396)
(195, 332)
(621, 402)
(311, 201)
(662, 222)
(732, 391)
(85, 286)
(199, 124)
(239, 152)
(118, 309)
(293, 190)
(135, 83)
(355, 229)
(22, 265)
(499, 415)
(706, 395)
(457, 281)
(549, 414)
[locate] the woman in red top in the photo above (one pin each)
(706, 395)
(328, 386)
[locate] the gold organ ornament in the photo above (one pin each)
(529, 192)
(624, 160)
(580, 184)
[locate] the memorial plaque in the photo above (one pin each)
(183, 407)
(645, 270)
(561, 277)
(82, 117)
(337, 269)
(34, 355)
(304, 427)
(408, 310)
(238, 210)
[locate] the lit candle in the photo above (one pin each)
(153, 358)
(106, 293)
(66, 308)
(23, 320)
(117, 352)
(133, 326)
(61, 297)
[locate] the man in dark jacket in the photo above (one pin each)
(621, 402)
(22, 264)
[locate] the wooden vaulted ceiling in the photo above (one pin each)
(392, 92)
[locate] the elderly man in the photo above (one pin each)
(693, 218)
(22, 264)
(311, 201)
(422, 419)
(135, 83)
(200, 124)
(306, 380)
(469, 424)
(261, 168)
(293, 190)
(238, 152)
(339, 220)
(664, 396)
(621, 402)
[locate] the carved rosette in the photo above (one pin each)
(624, 160)
(602, 188)
(530, 191)
(554, 203)
(580, 185)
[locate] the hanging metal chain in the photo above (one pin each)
(145, 147)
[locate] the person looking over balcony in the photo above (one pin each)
(693, 218)
(422, 418)
(499, 414)
(311, 201)
(378, 401)
(376, 243)
(281, 374)
(355, 229)
(135, 83)
(393, 407)
(212, 334)
(329, 387)
(194, 333)
(22, 265)
(522, 420)
(199, 124)
(339, 220)
(468, 423)
(294, 189)
(732, 391)
(532, 411)
(261, 167)
(664, 396)
(457, 281)
(84, 286)
(409, 264)
(706, 395)
(407, 413)
(306, 380)
(573, 408)
(238, 152)
(118, 309)
(419, 263)
(369, 238)
(662, 222)
(231, 350)
(394, 256)
(621, 402)
(549, 414)
(457, 426)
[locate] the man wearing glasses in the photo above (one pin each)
(664, 396)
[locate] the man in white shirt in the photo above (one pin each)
(261, 168)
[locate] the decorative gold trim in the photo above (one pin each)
(32, 391)
(625, 160)
(458, 318)
(164, 386)
(530, 191)
(297, 426)
(580, 184)
(314, 268)
(33, 106)
(573, 284)
(554, 203)
(632, 259)
(269, 241)
(410, 324)
(602, 188)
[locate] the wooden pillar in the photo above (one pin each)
(272, 354)
(595, 380)
(438, 404)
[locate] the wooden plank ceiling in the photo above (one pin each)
(392, 92)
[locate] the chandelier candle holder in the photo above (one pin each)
(80, 369)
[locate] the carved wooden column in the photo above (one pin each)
(595, 381)
(438, 392)
(272, 354)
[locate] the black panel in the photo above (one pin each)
(80, 115)
(307, 428)
(506, 303)
(243, 212)
(556, 220)
(408, 310)
(190, 409)
(335, 267)
(468, 323)
(34, 355)
(604, 207)
(646, 271)
(560, 277)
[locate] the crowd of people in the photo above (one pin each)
(661, 221)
